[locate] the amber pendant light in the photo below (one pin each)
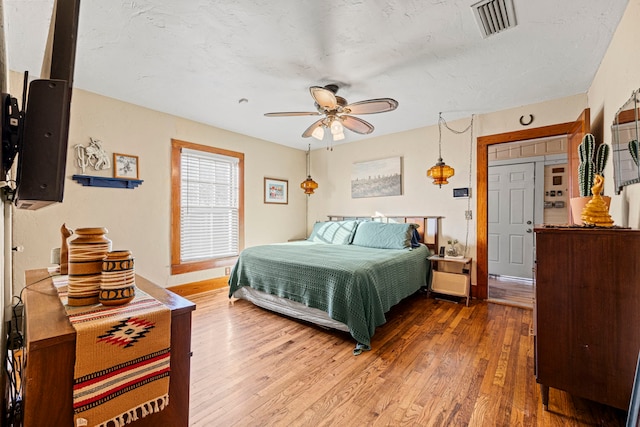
(441, 172)
(309, 185)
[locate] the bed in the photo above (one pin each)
(346, 275)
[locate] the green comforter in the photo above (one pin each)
(353, 284)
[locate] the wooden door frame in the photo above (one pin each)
(482, 168)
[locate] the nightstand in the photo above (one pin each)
(452, 283)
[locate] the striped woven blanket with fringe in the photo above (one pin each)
(122, 360)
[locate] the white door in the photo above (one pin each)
(510, 220)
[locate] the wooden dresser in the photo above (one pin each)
(50, 356)
(587, 312)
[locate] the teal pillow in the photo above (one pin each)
(333, 232)
(384, 235)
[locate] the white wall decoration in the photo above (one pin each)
(92, 155)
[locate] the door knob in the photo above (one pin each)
(528, 230)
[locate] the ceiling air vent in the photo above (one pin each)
(494, 16)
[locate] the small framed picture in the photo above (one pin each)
(276, 191)
(125, 166)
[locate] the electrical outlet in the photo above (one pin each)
(468, 215)
(227, 271)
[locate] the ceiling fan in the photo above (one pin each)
(338, 114)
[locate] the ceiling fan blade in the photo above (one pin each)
(357, 125)
(324, 98)
(370, 106)
(307, 133)
(294, 113)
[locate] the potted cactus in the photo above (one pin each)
(592, 163)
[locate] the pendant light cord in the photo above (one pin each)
(458, 132)
(306, 202)
(468, 218)
(441, 120)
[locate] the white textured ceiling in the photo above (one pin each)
(197, 58)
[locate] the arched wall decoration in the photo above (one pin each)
(527, 123)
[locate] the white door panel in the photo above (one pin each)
(494, 200)
(493, 247)
(517, 206)
(516, 254)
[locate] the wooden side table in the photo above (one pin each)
(452, 283)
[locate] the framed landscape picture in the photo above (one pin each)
(276, 191)
(377, 178)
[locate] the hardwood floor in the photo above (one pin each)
(434, 363)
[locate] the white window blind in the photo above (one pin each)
(209, 205)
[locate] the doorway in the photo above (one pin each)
(574, 131)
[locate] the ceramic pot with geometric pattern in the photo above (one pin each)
(86, 253)
(117, 285)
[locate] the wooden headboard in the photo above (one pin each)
(428, 226)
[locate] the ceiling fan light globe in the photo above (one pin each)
(318, 133)
(337, 128)
(338, 136)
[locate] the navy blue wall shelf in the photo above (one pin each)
(101, 181)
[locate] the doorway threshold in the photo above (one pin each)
(503, 278)
(505, 290)
(512, 303)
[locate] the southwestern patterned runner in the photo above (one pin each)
(122, 360)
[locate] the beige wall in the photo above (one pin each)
(612, 85)
(139, 219)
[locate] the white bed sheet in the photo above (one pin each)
(289, 308)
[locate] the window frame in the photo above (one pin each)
(177, 265)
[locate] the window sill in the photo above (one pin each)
(202, 265)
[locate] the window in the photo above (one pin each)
(207, 206)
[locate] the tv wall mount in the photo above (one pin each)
(12, 122)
